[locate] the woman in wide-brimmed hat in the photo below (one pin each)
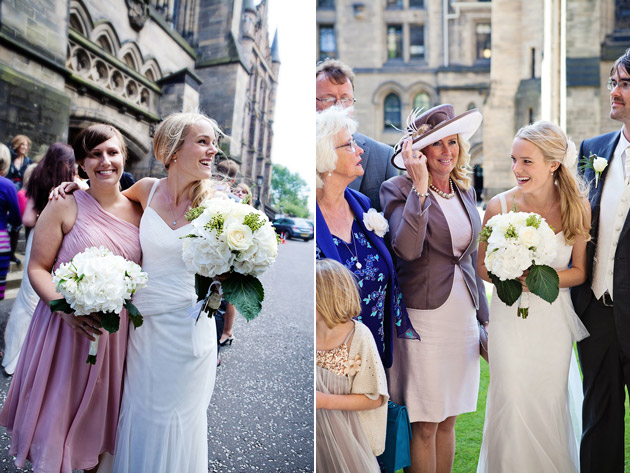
(434, 225)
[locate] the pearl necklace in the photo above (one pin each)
(444, 194)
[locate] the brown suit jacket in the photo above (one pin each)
(421, 239)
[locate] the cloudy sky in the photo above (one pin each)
(294, 125)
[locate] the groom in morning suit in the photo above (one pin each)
(335, 84)
(603, 301)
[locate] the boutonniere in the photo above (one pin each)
(375, 222)
(352, 366)
(594, 162)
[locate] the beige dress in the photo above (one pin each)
(439, 377)
(347, 441)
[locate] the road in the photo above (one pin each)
(261, 414)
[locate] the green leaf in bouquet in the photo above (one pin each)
(543, 281)
(134, 314)
(202, 286)
(60, 305)
(110, 321)
(194, 213)
(246, 293)
(485, 234)
(508, 291)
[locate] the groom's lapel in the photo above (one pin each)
(607, 152)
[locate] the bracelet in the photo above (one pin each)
(413, 188)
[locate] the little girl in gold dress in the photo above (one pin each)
(351, 397)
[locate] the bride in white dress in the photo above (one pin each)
(171, 361)
(528, 424)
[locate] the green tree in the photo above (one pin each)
(289, 191)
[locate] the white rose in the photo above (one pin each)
(238, 236)
(599, 164)
(375, 222)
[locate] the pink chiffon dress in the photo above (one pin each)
(61, 412)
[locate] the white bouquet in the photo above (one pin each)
(233, 239)
(518, 242)
(96, 281)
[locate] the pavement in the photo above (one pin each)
(261, 416)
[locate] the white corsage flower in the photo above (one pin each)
(596, 163)
(375, 222)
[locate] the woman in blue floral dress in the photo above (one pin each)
(352, 233)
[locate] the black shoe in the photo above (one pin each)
(16, 260)
(227, 341)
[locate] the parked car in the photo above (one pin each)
(293, 227)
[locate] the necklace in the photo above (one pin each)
(170, 207)
(355, 255)
(444, 194)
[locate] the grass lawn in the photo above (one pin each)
(469, 427)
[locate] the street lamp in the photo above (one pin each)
(259, 183)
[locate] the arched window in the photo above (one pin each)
(392, 111)
(422, 100)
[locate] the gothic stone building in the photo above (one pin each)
(484, 54)
(66, 65)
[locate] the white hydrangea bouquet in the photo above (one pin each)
(517, 242)
(96, 281)
(231, 239)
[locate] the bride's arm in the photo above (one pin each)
(576, 274)
(139, 192)
(346, 402)
(493, 208)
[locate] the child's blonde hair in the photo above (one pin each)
(337, 294)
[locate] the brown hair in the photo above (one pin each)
(623, 61)
(92, 136)
(335, 71)
(228, 168)
(337, 294)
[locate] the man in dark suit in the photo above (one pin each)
(603, 301)
(335, 85)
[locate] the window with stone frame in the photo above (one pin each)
(327, 42)
(393, 4)
(622, 15)
(394, 42)
(422, 101)
(326, 4)
(392, 111)
(416, 3)
(416, 42)
(483, 34)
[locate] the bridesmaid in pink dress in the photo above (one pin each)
(61, 412)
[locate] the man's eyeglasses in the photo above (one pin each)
(330, 101)
(623, 84)
(351, 145)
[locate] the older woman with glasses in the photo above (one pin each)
(352, 233)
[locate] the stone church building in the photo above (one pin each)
(517, 61)
(67, 64)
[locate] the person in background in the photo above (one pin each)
(434, 224)
(9, 215)
(20, 161)
(55, 167)
(334, 84)
(243, 192)
(21, 195)
(351, 388)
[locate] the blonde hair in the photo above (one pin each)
(554, 144)
(330, 123)
(18, 140)
(28, 172)
(169, 138)
(5, 159)
(336, 293)
(462, 170)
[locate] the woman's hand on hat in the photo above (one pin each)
(416, 165)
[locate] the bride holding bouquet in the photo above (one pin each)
(528, 423)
